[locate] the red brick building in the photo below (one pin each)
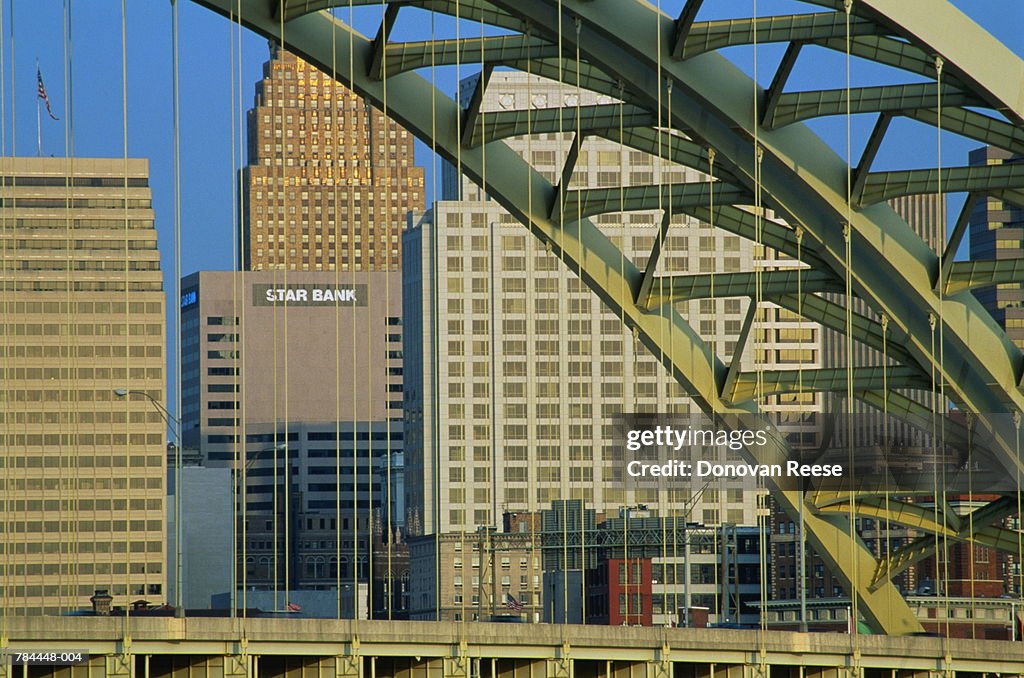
(619, 593)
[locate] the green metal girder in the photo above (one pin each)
(671, 147)
(495, 125)
(588, 202)
(571, 74)
(977, 528)
(800, 179)
(972, 56)
(470, 10)
(528, 196)
(886, 51)
(882, 186)
(717, 115)
(676, 288)
(797, 106)
(711, 35)
(745, 224)
(756, 385)
(833, 316)
(919, 415)
(973, 125)
(970, 275)
(916, 516)
(499, 49)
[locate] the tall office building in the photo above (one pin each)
(516, 371)
(330, 179)
(82, 470)
(291, 381)
(996, 230)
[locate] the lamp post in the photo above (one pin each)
(175, 426)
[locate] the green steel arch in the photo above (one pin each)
(631, 51)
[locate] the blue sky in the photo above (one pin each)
(211, 110)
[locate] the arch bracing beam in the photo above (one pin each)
(706, 36)
(861, 329)
(973, 125)
(675, 288)
(1006, 180)
(971, 275)
(498, 49)
(477, 11)
(978, 528)
(802, 180)
(528, 196)
(495, 125)
(751, 385)
(797, 106)
(589, 202)
(743, 223)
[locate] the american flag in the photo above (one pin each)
(41, 93)
(513, 604)
(294, 607)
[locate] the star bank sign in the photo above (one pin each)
(309, 295)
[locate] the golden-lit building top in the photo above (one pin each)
(330, 179)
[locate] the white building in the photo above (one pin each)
(515, 371)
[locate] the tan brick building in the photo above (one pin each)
(329, 180)
(82, 470)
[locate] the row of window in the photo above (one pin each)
(83, 286)
(81, 329)
(81, 460)
(113, 223)
(117, 483)
(76, 203)
(79, 351)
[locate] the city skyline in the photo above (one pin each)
(505, 361)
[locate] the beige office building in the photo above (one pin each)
(330, 179)
(516, 371)
(82, 470)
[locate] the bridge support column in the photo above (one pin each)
(238, 666)
(458, 664)
(662, 666)
(759, 670)
(120, 665)
(561, 665)
(350, 664)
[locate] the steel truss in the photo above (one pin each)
(708, 103)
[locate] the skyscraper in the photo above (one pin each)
(330, 179)
(996, 230)
(82, 469)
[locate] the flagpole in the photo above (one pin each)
(39, 122)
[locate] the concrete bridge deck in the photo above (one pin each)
(307, 648)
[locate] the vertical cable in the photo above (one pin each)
(355, 181)
(530, 297)
(435, 444)
(176, 123)
(336, 170)
(69, 373)
(6, 414)
(127, 315)
(940, 406)
(848, 286)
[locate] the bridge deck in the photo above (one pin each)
(433, 646)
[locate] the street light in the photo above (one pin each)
(175, 426)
